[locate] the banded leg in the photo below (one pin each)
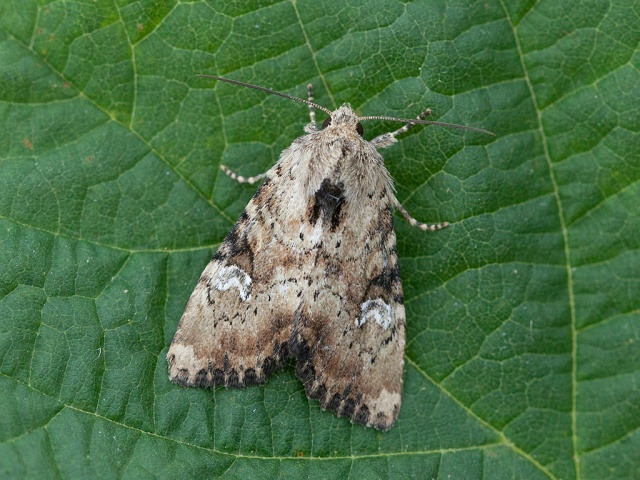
(431, 227)
(313, 125)
(240, 178)
(387, 139)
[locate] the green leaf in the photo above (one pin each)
(523, 353)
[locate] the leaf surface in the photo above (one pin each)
(522, 317)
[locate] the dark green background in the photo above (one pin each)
(523, 317)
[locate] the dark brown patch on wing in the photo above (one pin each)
(328, 201)
(383, 285)
(235, 249)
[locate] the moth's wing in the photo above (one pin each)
(349, 334)
(314, 275)
(234, 331)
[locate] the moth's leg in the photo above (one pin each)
(431, 227)
(387, 139)
(313, 126)
(240, 178)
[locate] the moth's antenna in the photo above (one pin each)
(268, 90)
(427, 122)
(327, 111)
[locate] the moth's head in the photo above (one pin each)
(344, 116)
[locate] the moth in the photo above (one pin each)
(309, 271)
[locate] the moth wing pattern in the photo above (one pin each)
(226, 336)
(349, 335)
(310, 270)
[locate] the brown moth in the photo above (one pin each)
(309, 271)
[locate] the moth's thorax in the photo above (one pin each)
(339, 154)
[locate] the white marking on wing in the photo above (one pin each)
(233, 277)
(376, 310)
